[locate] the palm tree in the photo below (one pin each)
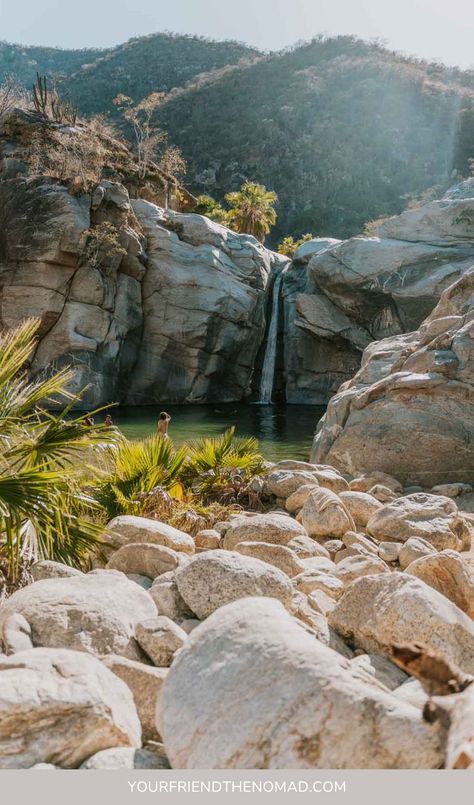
(252, 210)
(43, 512)
(139, 468)
(216, 465)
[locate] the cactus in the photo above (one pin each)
(48, 103)
(41, 95)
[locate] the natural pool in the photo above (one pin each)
(284, 431)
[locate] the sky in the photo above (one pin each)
(442, 30)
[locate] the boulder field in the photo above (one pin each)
(252, 645)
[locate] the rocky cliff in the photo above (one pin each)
(146, 305)
(203, 301)
(178, 316)
(410, 408)
(349, 293)
(155, 305)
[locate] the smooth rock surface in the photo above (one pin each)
(168, 600)
(146, 559)
(96, 613)
(447, 573)
(429, 517)
(145, 684)
(377, 612)
(324, 515)
(61, 707)
(249, 716)
(353, 567)
(413, 549)
(216, 578)
(160, 638)
(127, 529)
(275, 528)
(46, 569)
(360, 505)
(282, 556)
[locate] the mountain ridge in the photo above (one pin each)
(345, 131)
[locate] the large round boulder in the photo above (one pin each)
(252, 689)
(430, 517)
(360, 505)
(272, 527)
(97, 612)
(447, 573)
(283, 483)
(145, 559)
(377, 612)
(61, 707)
(281, 556)
(215, 578)
(324, 515)
(126, 528)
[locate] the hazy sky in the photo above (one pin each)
(435, 29)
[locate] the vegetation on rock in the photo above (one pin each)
(252, 210)
(289, 245)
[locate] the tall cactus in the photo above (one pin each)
(48, 104)
(41, 95)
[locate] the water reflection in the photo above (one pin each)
(284, 431)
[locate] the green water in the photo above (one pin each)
(284, 431)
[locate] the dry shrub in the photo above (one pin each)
(76, 157)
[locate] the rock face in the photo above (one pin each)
(377, 612)
(204, 298)
(91, 315)
(369, 288)
(252, 689)
(175, 311)
(96, 613)
(61, 707)
(409, 410)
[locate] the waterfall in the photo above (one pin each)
(269, 361)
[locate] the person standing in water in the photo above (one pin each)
(163, 423)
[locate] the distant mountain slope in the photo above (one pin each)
(25, 62)
(159, 62)
(343, 130)
(92, 78)
(340, 128)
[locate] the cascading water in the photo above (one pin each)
(269, 361)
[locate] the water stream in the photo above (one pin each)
(269, 361)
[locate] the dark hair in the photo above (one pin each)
(164, 415)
